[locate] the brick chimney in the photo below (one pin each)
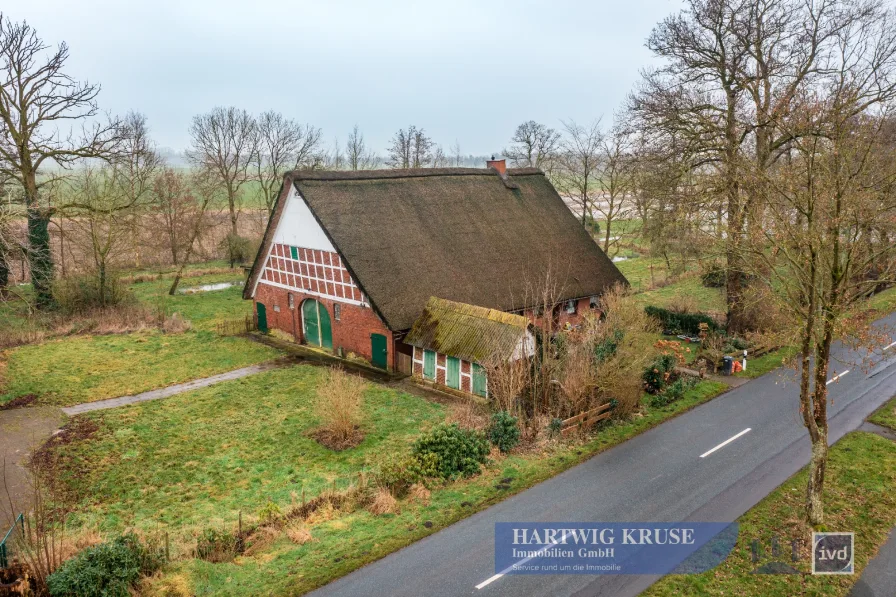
(499, 165)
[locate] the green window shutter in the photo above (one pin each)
(452, 374)
(294, 251)
(429, 364)
(480, 387)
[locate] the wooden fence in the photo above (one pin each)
(585, 420)
(236, 327)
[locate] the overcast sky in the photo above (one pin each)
(463, 70)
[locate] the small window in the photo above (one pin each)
(276, 308)
(291, 300)
(593, 302)
(571, 306)
(337, 311)
(294, 253)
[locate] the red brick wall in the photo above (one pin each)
(583, 306)
(352, 332)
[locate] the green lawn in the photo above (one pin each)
(203, 456)
(203, 309)
(711, 300)
(196, 459)
(859, 497)
(886, 415)
(79, 369)
(84, 368)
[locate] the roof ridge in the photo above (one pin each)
(325, 175)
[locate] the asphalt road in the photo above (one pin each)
(656, 476)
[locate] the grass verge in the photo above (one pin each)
(886, 415)
(859, 497)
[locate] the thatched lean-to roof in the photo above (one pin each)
(464, 234)
(467, 332)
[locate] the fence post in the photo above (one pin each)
(167, 548)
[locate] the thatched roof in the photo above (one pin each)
(464, 234)
(467, 332)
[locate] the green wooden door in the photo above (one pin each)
(379, 352)
(429, 364)
(326, 329)
(479, 383)
(452, 375)
(316, 324)
(262, 317)
(310, 322)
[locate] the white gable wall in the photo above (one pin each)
(298, 228)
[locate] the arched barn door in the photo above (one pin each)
(316, 324)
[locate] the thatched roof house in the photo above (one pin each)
(378, 244)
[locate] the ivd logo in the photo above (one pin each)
(833, 553)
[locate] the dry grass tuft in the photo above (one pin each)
(261, 539)
(340, 398)
(298, 533)
(419, 493)
(176, 324)
(383, 503)
(468, 415)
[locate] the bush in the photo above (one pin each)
(105, 570)
(673, 391)
(658, 372)
(681, 323)
(458, 452)
(714, 278)
(80, 294)
(397, 473)
(238, 249)
(217, 545)
(504, 432)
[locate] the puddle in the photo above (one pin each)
(210, 287)
(618, 258)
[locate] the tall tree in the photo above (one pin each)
(533, 144)
(136, 164)
(282, 144)
(357, 154)
(617, 182)
(579, 160)
(38, 101)
(223, 144)
(410, 148)
(832, 208)
(176, 208)
(732, 70)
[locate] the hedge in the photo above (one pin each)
(682, 323)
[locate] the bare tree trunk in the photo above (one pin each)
(189, 252)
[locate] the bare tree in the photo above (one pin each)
(282, 144)
(136, 163)
(207, 188)
(733, 70)
(223, 146)
(410, 148)
(99, 211)
(533, 144)
(177, 209)
(357, 154)
(457, 157)
(617, 182)
(38, 100)
(334, 158)
(832, 206)
(579, 164)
